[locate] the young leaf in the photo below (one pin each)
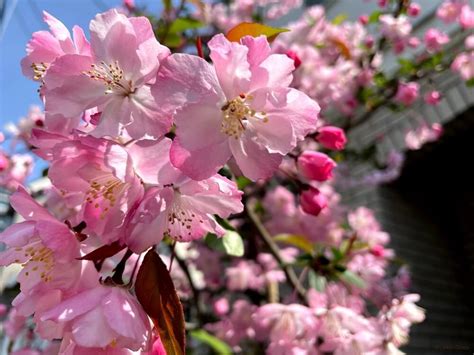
(105, 251)
(339, 19)
(316, 281)
(183, 24)
(296, 240)
(156, 293)
(233, 243)
(253, 29)
(352, 279)
(216, 344)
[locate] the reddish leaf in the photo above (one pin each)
(103, 252)
(156, 293)
(253, 29)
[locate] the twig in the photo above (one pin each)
(275, 251)
(196, 294)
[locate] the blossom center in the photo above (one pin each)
(180, 218)
(104, 192)
(40, 260)
(39, 69)
(111, 75)
(236, 113)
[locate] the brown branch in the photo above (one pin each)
(275, 251)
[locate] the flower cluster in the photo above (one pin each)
(208, 182)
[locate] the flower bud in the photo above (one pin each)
(407, 93)
(364, 19)
(413, 9)
(315, 166)
(332, 137)
(292, 54)
(433, 97)
(312, 201)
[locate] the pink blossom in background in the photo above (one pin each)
(292, 328)
(395, 28)
(464, 65)
(414, 9)
(239, 104)
(469, 42)
(435, 39)
(450, 10)
(407, 93)
(466, 18)
(433, 97)
(415, 139)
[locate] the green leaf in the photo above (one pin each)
(298, 241)
(243, 182)
(156, 293)
(224, 223)
(316, 281)
(183, 24)
(352, 279)
(406, 66)
(339, 19)
(337, 254)
(233, 243)
(173, 40)
(216, 344)
(253, 29)
(380, 79)
(374, 16)
(470, 83)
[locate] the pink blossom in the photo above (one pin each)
(401, 315)
(449, 10)
(312, 201)
(297, 61)
(46, 248)
(435, 39)
(469, 42)
(238, 325)
(46, 46)
(315, 165)
(244, 275)
(464, 65)
(332, 137)
(414, 9)
(466, 18)
(416, 138)
(116, 78)
(103, 316)
(179, 207)
(364, 19)
(433, 97)
(16, 169)
(241, 106)
(98, 177)
(407, 93)
(221, 306)
(395, 28)
(291, 329)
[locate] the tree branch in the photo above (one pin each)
(275, 251)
